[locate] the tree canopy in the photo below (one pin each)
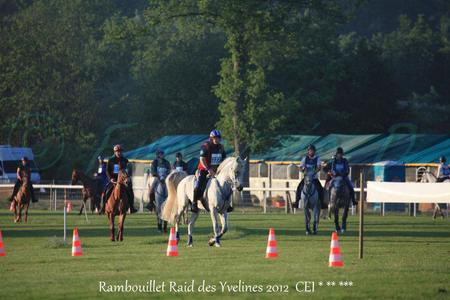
(78, 76)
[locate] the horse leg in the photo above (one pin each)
(344, 218)
(316, 212)
(26, 211)
(83, 203)
(336, 219)
(121, 223)
(19, 218)
(192, 220)
(224, 220)
(307, 219)
(15, 211)
(215, 240)
(111, 226)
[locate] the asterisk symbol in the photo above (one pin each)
(341, 283)
(320, 283)
(333, 283)
(350, 283)
(328, 283)
(346, 283)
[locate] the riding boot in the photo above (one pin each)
(194, 205)
(151, 204)
(132, 209)
(165, 226)
(315, 228)
(230, 208)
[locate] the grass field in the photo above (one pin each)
(405, 258)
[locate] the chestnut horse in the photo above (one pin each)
(118, 205)
(91, 190)
(22, 199)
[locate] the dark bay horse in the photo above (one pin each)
(91, 190)
(22, 199)
(118, 205)
(339, 198)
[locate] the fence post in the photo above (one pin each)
(264, 197)
(65, 213)
(361, 215)
(56, 196)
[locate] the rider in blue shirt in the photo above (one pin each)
(340, 167)
(310, 162)
(443, 170)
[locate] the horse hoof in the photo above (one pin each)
(211, 242)
(217, 245)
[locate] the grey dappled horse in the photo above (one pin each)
(339, 198)
(310, 198)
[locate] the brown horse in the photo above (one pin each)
(91, 190)
(118, 205)
(22, 199)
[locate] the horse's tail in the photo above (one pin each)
(170, 210)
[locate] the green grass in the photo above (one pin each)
(405, 258)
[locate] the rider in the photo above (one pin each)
(23, 168)
(115, 164)
(340, 167)
(180, 164)
(443, 170)
(101, 173)
(311, 162)
(212, 153)
(159, 169)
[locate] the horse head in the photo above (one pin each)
(309, 178)
(123, 177)
(75, 176)
(237, 173)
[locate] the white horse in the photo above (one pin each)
(310, 199)
(217, 194)
(430, 177)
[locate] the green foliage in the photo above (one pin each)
(79, 76)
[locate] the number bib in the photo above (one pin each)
(100, 170)
(162, 172)
(179, 169)
(339, 167)
(116, 169)
(216, 159)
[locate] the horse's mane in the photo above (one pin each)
(225, 163)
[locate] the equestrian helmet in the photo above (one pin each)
(215, 133)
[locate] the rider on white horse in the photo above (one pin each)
(340, 167)
(443, 170)
(311, 162)
(179, 164)
(212, 153)
(159, 169)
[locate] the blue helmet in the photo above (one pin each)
(159, 151)
(215, 133)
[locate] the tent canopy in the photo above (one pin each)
(359, 149)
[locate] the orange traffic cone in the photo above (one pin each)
(271, 251)
(335, 252)
(2, 249)
(76, 244)
(172, 247)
